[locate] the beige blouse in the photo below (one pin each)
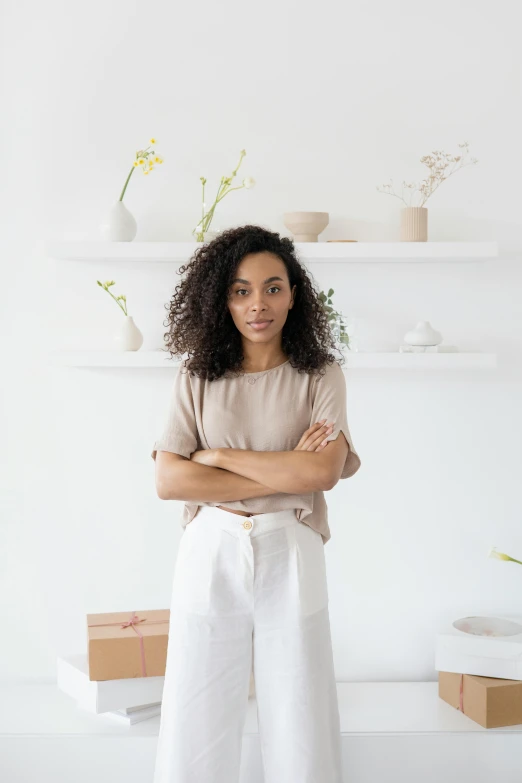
(259, 411)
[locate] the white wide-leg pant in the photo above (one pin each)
(249, 591)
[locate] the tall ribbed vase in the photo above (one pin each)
(414, 224)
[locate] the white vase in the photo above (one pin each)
(119, 225)
(423, 334)
(128, 337)
(306, 226)
(414, 224)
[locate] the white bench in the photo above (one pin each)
(399, 732)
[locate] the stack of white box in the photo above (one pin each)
(486, 646)
(129, 701)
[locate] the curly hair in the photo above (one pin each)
(200, 322)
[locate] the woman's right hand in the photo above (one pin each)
(313, 439)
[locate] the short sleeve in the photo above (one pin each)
(180, 431)
(329, 402)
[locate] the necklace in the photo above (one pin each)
(261, 373)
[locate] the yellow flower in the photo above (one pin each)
(501, 556)
(135, 162)
(153, 141)
(141, 161)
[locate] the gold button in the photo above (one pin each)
(247, 525)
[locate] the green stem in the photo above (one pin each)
(116, 300)
(230, 191)
(126, 183)
(206, 219)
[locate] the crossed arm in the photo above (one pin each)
(228, 474)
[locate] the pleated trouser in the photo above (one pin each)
(249, 592)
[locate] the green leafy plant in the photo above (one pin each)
(223, 190)
(117, 299)
(333, 316)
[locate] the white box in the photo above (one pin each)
(485, 646)
(105, 695)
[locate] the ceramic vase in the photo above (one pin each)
(128, 337)
(423, 334)
(119, 225)
(414, 224)
(306, 226)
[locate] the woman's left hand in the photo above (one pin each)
(205, 457)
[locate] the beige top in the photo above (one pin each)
(259, 411)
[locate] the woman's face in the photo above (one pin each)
(261, 290)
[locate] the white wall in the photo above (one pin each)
(329, 100)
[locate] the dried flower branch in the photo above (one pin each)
(441, 166)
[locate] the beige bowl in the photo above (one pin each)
(306, 226)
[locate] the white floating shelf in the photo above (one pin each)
(361, 360)
(343, 252)
(390, 731)
(40, 708)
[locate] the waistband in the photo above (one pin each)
(253, 525)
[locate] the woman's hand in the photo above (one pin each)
(205, 457)
(313, 439)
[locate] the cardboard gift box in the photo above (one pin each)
(485, 646)
(121, 645)
(489, 701)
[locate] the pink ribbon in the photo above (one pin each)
(134, 619)
(461, 694)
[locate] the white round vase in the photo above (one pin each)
(119, 225)
(128, 337)
(423, 334)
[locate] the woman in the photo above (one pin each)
(255, 434)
